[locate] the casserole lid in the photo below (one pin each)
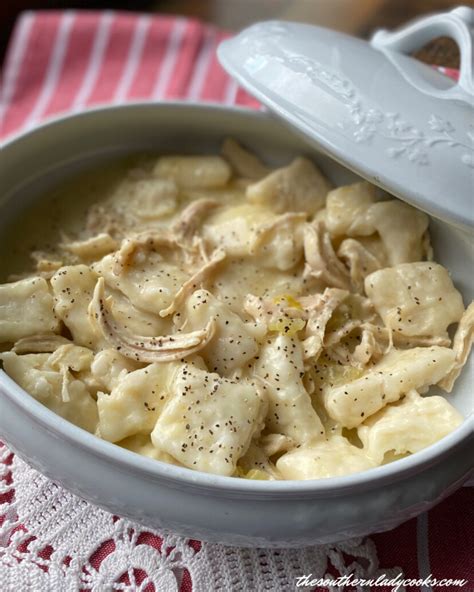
(390, 118)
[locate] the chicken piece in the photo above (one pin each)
(462, 345)
(415, 299)
(408, 426)
(73, 287)
(145, 349)
(93, 248)
(194, 172)
(244, 163)
(397, 373)
(279, 243)
(191, 218)
(208, 422)
(197, 280)
(37, 378)
(233, 343)
(347, 207)
(320, 309)
(360, 261)
(333, 457)
(298, 187)
(142, 444)
(26, 308)
(134, 403)
(322, 262)
(280, 367)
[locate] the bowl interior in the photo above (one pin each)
(37, 162)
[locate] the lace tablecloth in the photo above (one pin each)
(51, 540)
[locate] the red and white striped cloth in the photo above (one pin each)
(67, 61)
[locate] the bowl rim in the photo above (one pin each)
(156, 469)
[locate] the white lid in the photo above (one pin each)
(392, 119)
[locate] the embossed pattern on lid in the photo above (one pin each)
(388, 117)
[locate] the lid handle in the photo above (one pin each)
(458, 24)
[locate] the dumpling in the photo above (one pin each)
(415, 298)
(233, 344)
(397, 373)
(333, 457)
(26, 308)
(279, 244)
(408, 426)
(150, 283)
(73, 287)
(401, 228)
(290, 412)
(234, 228)
(194, 172)
(68, 397)
(298, 187)
(208, 422)
(346, 209)
(135, 402)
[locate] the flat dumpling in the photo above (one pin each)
(332, 457)
(73, 287)
(150, 283)
(347, 207)
(397, 373)
(26, 308)
(234, 228)
(280, 367)
(354, 211)
(208, 422)
(134, 403)
(233, 344)
(279, 244)
(193, 172)
(298, 187)
(109, 366)
(60, 392)
(415, 298)
(401, 229)
(408, 426)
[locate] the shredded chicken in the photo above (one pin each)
(196, 281)
(360, 261)
(320, 309)
(322, 262)
(191, 218)
(146, 349)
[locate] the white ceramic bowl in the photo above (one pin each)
(208, 507)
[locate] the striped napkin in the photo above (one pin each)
(61, 62)
(67, 61)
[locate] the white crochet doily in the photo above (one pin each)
(50, 540)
